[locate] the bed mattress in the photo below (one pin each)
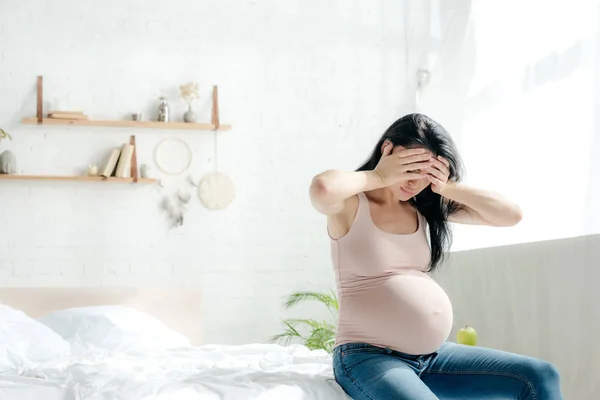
(259, 371)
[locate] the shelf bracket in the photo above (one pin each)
(40, 105)
(134, 166)
(215, 109)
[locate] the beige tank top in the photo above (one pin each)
(386, 297)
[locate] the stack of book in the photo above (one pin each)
(118, 163)
(72, 115)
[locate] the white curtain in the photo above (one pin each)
(517, 84)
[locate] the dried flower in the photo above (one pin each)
(189, 92)
(4, 134)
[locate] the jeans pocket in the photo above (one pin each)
(352, 356)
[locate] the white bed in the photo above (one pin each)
(133, 359)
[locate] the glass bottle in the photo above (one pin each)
(163, 110)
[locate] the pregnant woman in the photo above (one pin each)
(388, 225)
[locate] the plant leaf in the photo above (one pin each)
(283, 338)
(329, 300)
(286, 336)
(4, 134)
(312, 323)
(321, 338)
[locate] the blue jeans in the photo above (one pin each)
(453, 372)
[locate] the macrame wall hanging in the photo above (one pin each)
(216, 190)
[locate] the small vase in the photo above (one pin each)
(8, 163)
(190, 115)
(145, 171)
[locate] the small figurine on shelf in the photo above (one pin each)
(189, 93)
(8, 162)
(92, 170)
(163, 110)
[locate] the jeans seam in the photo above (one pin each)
(483, 372)
(349, 376)
(362, 351)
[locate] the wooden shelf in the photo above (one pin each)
(74, 178)
(126, 124)
(215, 123)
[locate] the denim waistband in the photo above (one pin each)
(384, 350)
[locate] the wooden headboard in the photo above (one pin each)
(179, 308)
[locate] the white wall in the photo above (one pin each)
(538, 299)
(306, 85)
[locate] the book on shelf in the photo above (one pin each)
(111, 163)
(74, 115)
(123, 169)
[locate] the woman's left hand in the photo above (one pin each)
(438, 174)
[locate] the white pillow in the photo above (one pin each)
(26, 343)
(112, 328)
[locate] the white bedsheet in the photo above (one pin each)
(257, 371)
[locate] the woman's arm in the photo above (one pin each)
(481, 207)
(330, 189)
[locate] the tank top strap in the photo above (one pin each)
(363, 213)
(422, 220)
(363, 205)
(423, 227)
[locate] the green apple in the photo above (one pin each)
(467, 335)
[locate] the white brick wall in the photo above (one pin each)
(306, 85)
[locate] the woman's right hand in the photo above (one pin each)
(330, 189)
(402, 166)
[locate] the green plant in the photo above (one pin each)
(314, 334)
(4, 135)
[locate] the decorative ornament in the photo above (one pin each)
(173, 156)
(189, 93)
(216, 190)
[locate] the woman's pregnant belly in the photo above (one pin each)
(407, 311)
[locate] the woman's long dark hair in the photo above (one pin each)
(420, 130)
